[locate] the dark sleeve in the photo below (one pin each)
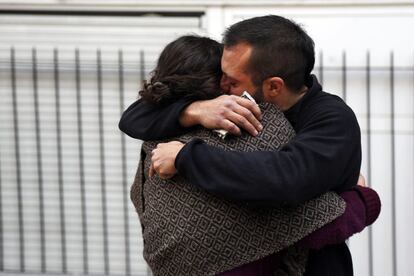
(149, 122)
(363, 207)
(325, 155)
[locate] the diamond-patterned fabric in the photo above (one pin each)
(187, 231)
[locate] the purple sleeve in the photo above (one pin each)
(363, 206)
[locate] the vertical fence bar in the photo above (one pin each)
(393, 213)
(344, 76)
(142, 75)
(102, 162)
(81, 163)
(142, 66)
(39, 161)
(1, 224)
(321, 67)
(18, 162)
(124, 164)
(368, 107)
(59, 161)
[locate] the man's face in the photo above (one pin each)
(235, 77)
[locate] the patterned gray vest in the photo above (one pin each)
(187, 231)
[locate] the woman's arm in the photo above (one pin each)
(363, 207)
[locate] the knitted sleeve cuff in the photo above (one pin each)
(372, 203)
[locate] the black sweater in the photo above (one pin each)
(324, 155)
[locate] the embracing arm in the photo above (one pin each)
(148, 122)
(325, 155)
(363, 207)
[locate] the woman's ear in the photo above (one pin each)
(272, 88)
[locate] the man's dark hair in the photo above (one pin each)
(187, 67)
(280, 48)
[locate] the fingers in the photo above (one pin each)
(246, 118)
(151, 170)
(244, 114)
(156, 169)
(251, 106)
(234, 122)
(231, 127)
(163, 159)
(166, 176)
(230, 113)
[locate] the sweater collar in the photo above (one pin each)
(293, 112)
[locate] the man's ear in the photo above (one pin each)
(272, 88)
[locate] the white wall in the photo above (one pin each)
(336, 26)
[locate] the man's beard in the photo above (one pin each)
(258, 95)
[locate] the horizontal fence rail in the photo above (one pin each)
(65, 168)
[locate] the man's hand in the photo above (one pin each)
(163, 159)
(225, 112)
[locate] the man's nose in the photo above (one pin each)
(225, 85)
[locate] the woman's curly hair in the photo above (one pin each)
(187, 67)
